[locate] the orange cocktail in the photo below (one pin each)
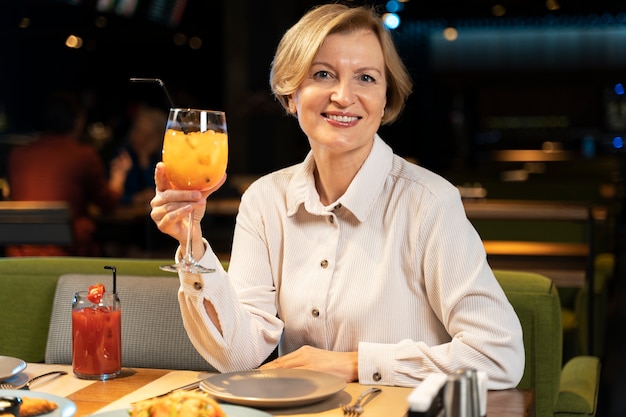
(195, 153)
(96, 338)
(195, 160)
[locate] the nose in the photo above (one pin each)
(343, 94)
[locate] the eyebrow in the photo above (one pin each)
(359, 70)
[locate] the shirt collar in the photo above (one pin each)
(360, 195)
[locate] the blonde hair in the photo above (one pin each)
(301, 42)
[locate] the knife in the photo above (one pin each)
(188, 387)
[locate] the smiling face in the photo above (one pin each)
(340, 103)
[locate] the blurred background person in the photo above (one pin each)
(143, 148)
(57, 167)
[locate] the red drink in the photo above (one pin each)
(96, 338)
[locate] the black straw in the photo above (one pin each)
(114, 277)
(159, 82)
(162, 84)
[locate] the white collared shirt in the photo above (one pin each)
(393, 269)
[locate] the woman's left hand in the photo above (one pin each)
(342, 364)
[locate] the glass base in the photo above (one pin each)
(99, 377)
(189, 267)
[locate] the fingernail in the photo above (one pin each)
(196, 195)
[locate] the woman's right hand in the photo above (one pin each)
(171, 207)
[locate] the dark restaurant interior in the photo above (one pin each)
(513, 100)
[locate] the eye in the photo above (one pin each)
(367, 78)
(322, 75)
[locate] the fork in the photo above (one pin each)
(356, 409)
(8, 385)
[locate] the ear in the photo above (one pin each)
(384, 108)
(292, 105)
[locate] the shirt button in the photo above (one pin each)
(324, 264)
(376, 377)
(315, 312)
(197, 286)
(337, 207)
(331, 219)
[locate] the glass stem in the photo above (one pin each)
(188, 257)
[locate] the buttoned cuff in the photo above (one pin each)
(375, 364)
(196, 285)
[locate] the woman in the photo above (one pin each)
(355, 262)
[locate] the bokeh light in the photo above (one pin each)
(74, 42)
(391, 20)
(450, 34)
(394, 6)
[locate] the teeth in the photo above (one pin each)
(342, 119)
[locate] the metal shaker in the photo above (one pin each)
(461, 398)
(455, 396)
(473, 393)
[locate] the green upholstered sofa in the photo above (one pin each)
(570, 390)
(29, 286)
(27, 291)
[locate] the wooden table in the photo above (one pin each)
(35, 222)
(91, 397)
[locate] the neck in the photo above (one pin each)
(334, 172)
(331, 185)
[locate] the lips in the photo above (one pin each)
(341, 118)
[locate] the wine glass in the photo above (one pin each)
(195, 152)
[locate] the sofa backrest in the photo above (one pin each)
(153, 335)
(27, 288)
(536, 302)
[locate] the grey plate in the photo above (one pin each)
(273, 388)
(10, 366)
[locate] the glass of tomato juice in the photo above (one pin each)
(96, 336)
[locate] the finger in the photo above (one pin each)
(179, 215)
(160, 177)
(172, 222)
(181, 197)
(289, 360)
(276, 363)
